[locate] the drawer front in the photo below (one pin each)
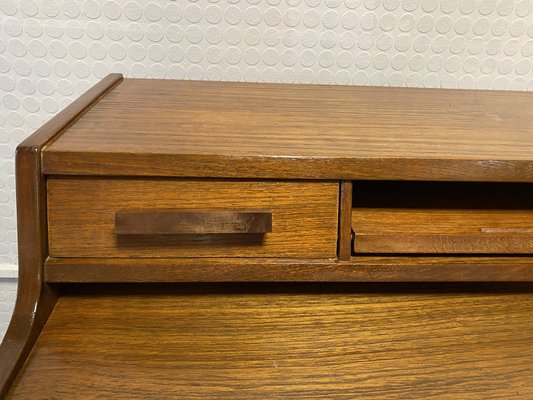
(443, 231)
(89, 217)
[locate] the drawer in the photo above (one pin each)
(115, 217)
(442, 217)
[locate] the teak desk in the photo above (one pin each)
(207, 239)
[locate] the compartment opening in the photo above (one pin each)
(443, 195)
(430, 217)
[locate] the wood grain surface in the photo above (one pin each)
(248, 130)
(445, 221)
(35, 298)
(444, 231)
(345, 220)
(192, 222)
(81, 215)
(443, 217)
(261, 341)
(315, 344)
(358, 269)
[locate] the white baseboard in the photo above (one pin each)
(8, 271)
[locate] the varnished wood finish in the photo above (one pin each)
(54, 128)
(166, 222)
(143, 146)
(316, 344)
(441, 218)
(358, 269)
(384, 230)
(454, 243)
(345, 220)
(247, 130)
(82, 211)
(35, 299)
(441, 221)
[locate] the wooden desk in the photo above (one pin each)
(146, 182)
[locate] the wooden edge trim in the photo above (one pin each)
(35, 299)
(345, 220)
(263, 167)
(446, 243)
(58, 124)
(360, 269)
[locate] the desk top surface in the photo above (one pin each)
(226, 127)
(289, 343)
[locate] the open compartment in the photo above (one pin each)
(390, 217)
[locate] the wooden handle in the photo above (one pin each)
(165, 222)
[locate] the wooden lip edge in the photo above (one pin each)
(53, 129)
(64, 270)
(35, 298)
(302, 168)
(448, 243)
(513, 231)
(348, 87)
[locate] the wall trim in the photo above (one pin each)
(8, 271)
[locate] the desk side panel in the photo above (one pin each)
(35, 299)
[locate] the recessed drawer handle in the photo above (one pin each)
(163, 222)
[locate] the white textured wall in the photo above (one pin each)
(51, 51)
(8, 291)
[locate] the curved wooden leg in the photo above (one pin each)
(35, 299)
(28, 319)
